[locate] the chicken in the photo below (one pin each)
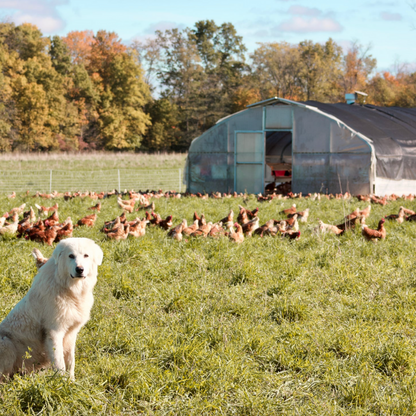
(126, 205)
(365, 212)
(119, 233)
(408, 211)
(203, 230)
(236, 235)
(411, 217)
(291, 210)
(242, 215)
(176, 232)
(228, 221)
(249, 227)
(96, 207)
(293, 235)
(10, 229)
(12, 195)
(17, 210)
(303, 215)
(353, 214)
(197, 217)
(292, 223)
(64, 230)
(30, 214)
(396, 217)
(47, 235)
(374, 235)
(151, 206)
(53, 219)
(217, 230)
(138, 227)
(40, 259)
(46, 210)
(266, 227)
(192, 228)
(328, 228)
(88, 221)
(166, 223)
(252, 214)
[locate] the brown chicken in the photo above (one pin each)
(64, 230)
(53, 219)
(192, 228)
(17, 210)
(408, 211)
(374, 235)
(96, 207)
(176, 232)
(236, 235)
(396, 217)
(228, 221)
(166, 223)
(46, 210)
(88, 221)
(242, 215)
(251, 226)
(47, 236)
(217, 230)
(120, 232)
(292, 235)
(252, 214)
(262, 229)
(138, 228)
(291, 210)
(40, 259)
(151, 206)
(203, 230)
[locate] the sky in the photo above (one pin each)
(387, 27)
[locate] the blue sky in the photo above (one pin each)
(389, 27)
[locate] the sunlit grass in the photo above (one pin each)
(90, 161)
(322, 326)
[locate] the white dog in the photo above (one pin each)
(42, 328)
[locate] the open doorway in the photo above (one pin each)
(278, 158)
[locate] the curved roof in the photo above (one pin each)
(391, 129)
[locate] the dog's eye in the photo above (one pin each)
(86, 255)
(71, 256)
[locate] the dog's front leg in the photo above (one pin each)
(54, 344)
(69, 352)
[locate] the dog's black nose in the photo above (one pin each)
(79, 269)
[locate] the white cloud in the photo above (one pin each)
(42, 13)
(391, 16)
(304, 11)
(301, 24)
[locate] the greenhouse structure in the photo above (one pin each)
(318, 147)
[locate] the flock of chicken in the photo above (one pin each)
(50, 230)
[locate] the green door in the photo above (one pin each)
(249, 162)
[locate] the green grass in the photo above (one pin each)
(321, 326)
(91, 161)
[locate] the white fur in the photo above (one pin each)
(42, 328)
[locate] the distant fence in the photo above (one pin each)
(94, 180)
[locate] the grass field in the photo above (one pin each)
(91, 161)
(321, 326)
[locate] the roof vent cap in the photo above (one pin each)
(352, 98)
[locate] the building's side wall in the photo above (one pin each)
(327, 157)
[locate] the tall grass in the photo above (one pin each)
(322, 326)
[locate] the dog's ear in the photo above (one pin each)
(98, 255)
(57, 252)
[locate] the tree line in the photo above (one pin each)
(87, 91)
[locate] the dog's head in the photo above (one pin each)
(77, 258)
